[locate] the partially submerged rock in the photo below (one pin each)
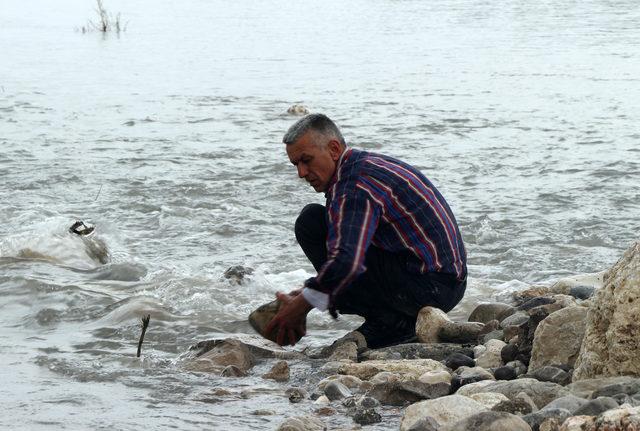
(217, 356)
(302, 423)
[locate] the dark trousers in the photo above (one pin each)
(386, 291)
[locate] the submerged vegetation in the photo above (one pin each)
(105, 23)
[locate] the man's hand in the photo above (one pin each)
(290, 320)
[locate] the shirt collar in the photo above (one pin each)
(336, 175)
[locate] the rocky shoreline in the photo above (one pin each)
(559, 358)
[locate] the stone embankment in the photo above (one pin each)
(559, 358)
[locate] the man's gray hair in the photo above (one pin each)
(317, 122)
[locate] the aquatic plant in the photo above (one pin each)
(106, 22)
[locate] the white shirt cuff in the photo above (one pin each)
(316, 298)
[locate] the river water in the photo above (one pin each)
(167, 137)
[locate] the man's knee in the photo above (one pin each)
(312, 219)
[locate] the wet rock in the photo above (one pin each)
(484, 313)
(401, 393)
(523, 296)
(568, 402)
(504, 373)
(433, 326)
(541, 393)
(263, 412)
(490, 421)
(295, 395)
(407, 368)
(509, 353)
(535, 302)
(279, 372)
(325, 411)
(347, 347)
(466, 375)
(232, 371)
(488, 399)
(237, 273)
(435, 351)
(491, 358)
(350, 382)
(367, 402)
(597, 406)
(536, 418)
(299, 110)
(302, 423)
(259, 347)
(220, 355)
(515, 319)
(458, 360)
(445, 410)
(610, 345)
(551, 374)
(336, 391)
(585, 388)
(366, 416)
(558, 338)
(582, 292)
(517, 406)
(426, 423)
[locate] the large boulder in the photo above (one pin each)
(445, 410)
(542, 393)
(490, 421)
(558, 338)
(611, 345)
(302, 423)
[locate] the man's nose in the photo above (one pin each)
(302, 171)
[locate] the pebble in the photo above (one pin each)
(325, 411)
(336, 391)
(295, 394)
(232, 371)
(366, 416)
(433, 377)
(322, 400)
(279, 372)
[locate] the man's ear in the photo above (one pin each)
(335, 149)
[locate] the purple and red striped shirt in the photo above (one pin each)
(378, 200)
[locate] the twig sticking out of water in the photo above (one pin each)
(106, 22)
(96, 198)
(145, 325)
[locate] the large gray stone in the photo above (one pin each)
(585, 388)
(484, 313)
(558, 338)
(489, 421)
(568, 402)
(611, 345)
(302, 423)
(542, 393)
(445, 410)
(536, 418)
(435, 351)
(596, 406)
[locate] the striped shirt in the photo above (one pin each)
(378, 200)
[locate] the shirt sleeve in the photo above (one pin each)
(353, 219)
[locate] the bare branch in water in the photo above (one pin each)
(96, 198)
(145, 325)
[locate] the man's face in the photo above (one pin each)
(316, 158)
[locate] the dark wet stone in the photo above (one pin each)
(552, 374)
(536, 418)
(582, 292)
(401, 393)
(435, 351)
(509, 353)
(368, 402)
(505, 373)
(630, 388)
(295, 395)
(596, 406)
(336, 391)
(466, 375)
(460, 332)
(237, 273)
(536, 302)
(517, 406)
(458, 360)
(366, 416)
